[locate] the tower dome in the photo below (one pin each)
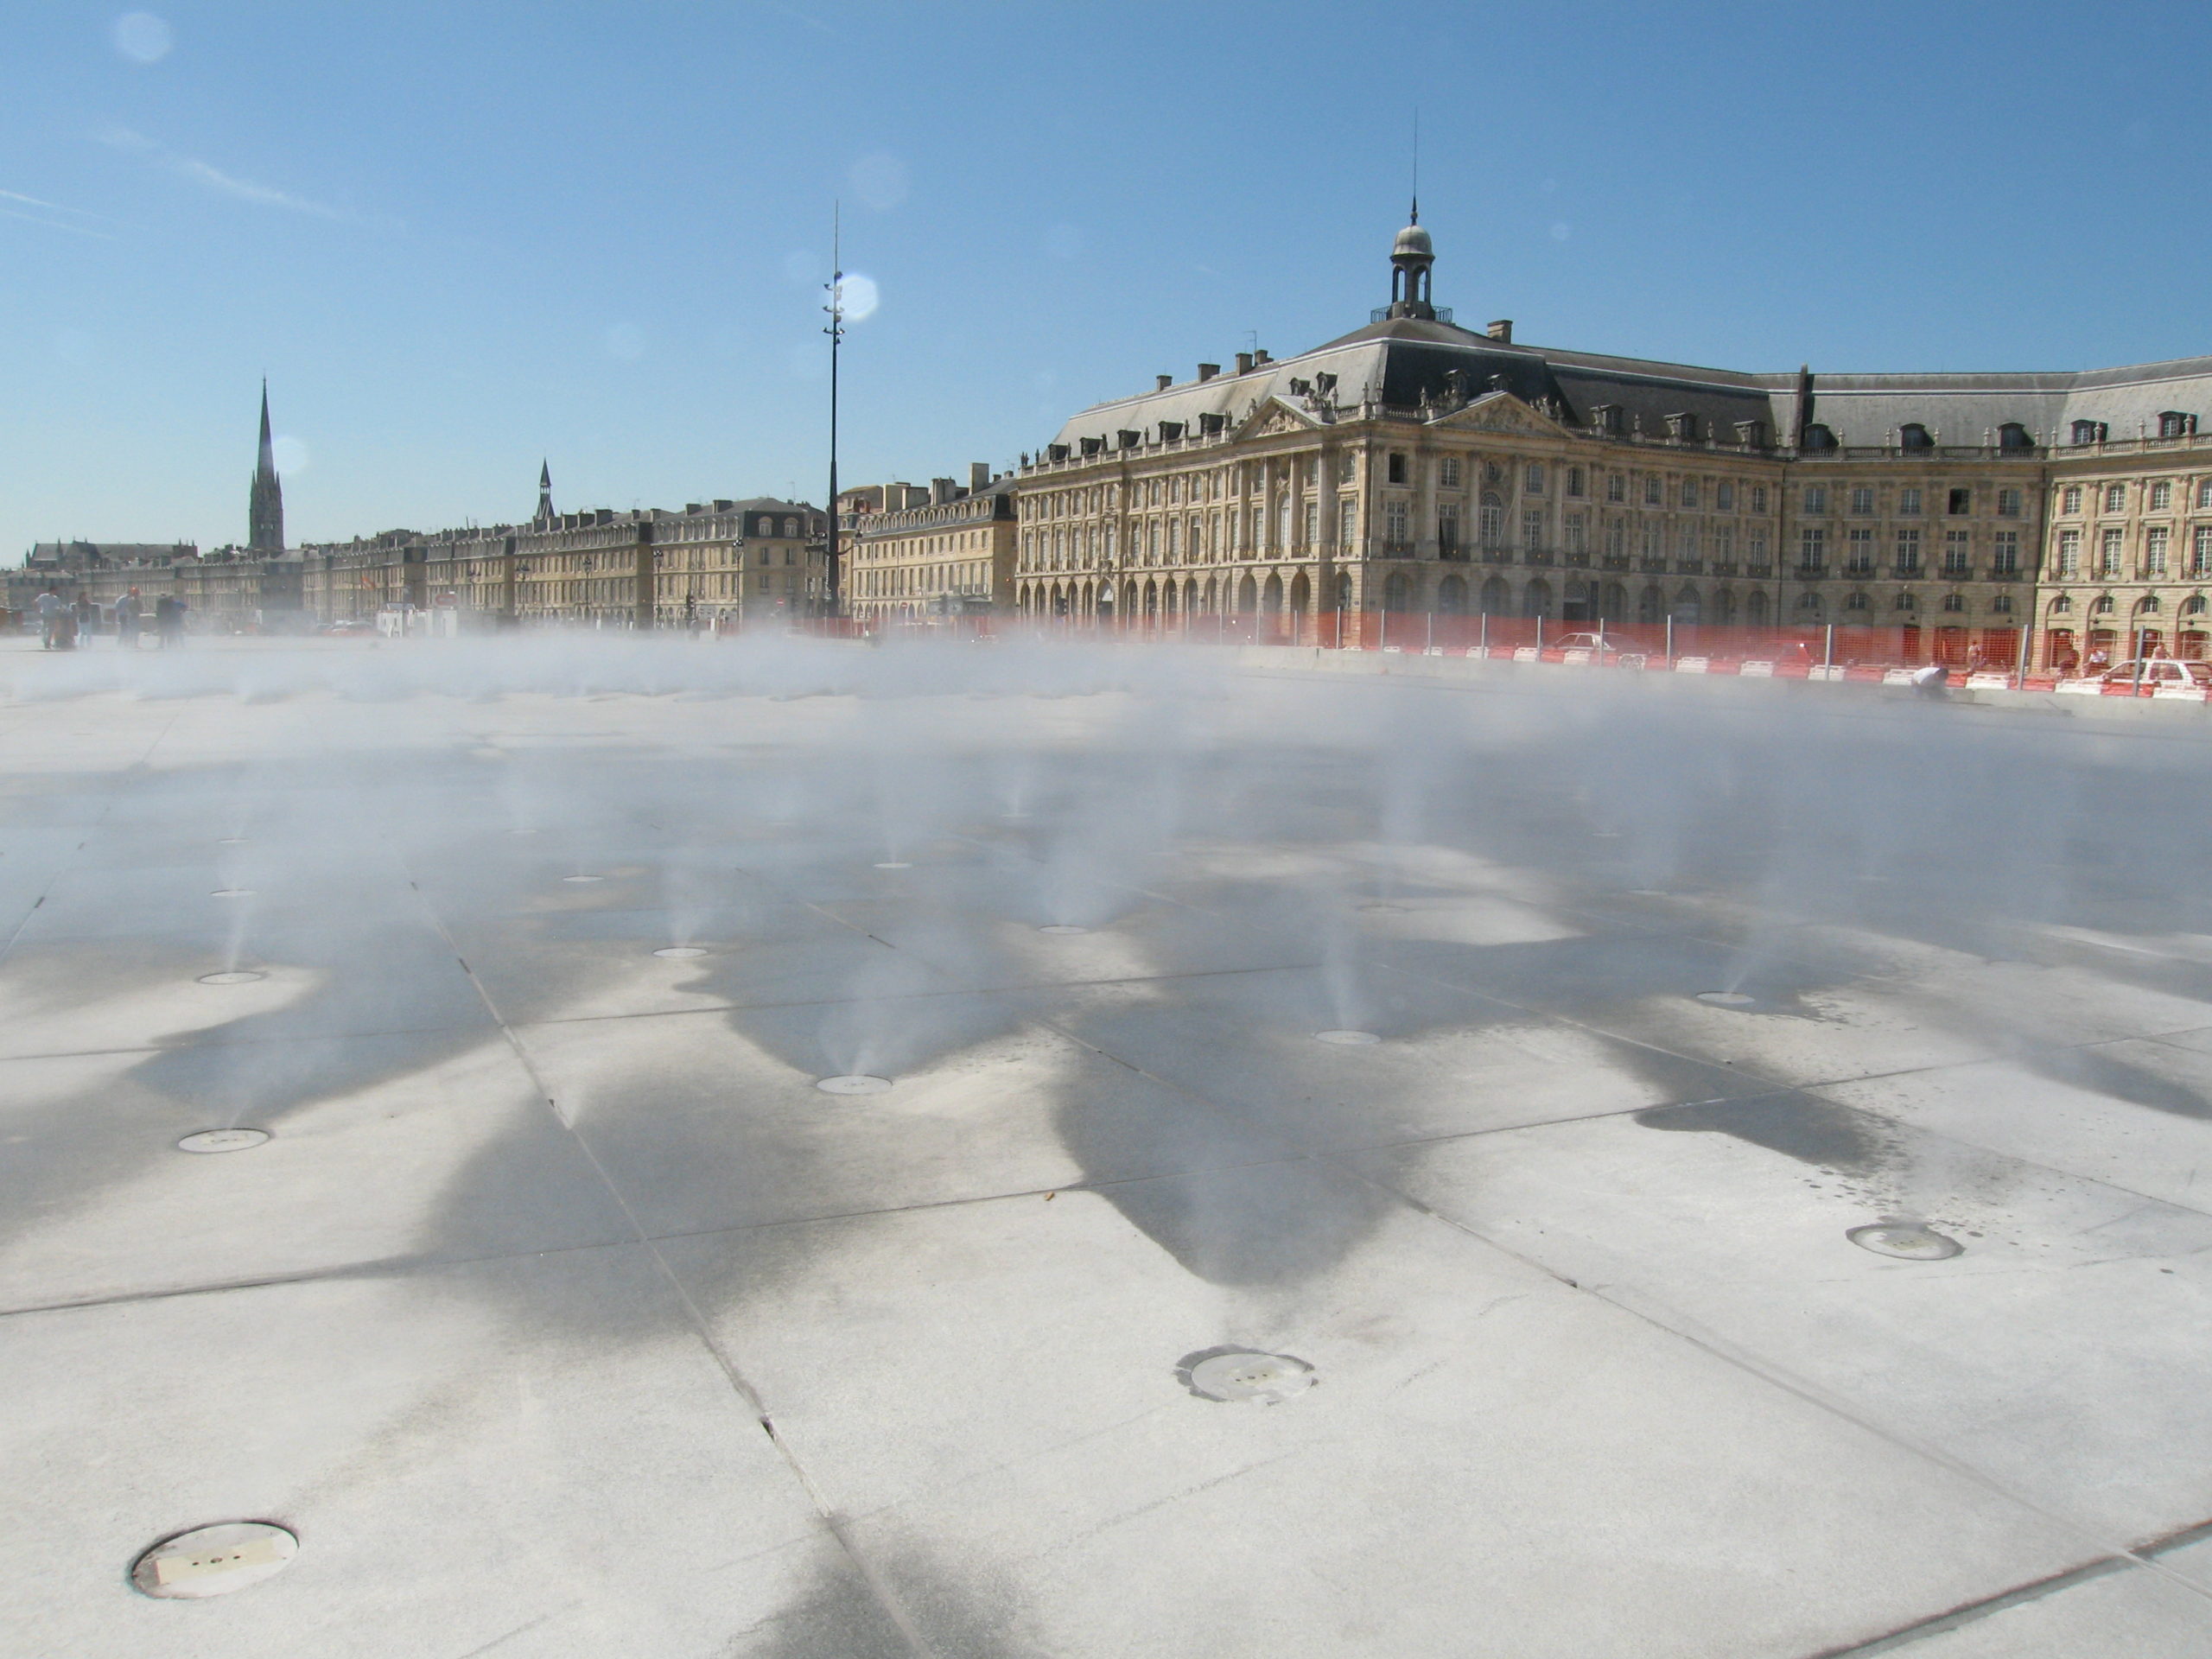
(1411, 257)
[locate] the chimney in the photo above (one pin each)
(1502, 331)
(1207, 371)
(940, 491)
(1261, 358)
(1161, 382)
(979, 476)
(1243, 362)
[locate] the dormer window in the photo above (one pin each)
(1819, 437)
(2173, 423)
(2089, 432)
(1913, 436)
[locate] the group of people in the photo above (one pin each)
(62, 622)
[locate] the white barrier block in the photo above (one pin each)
(1989, 682)
(1433, 651)
(2181, 693)
(1579, 654)
(1756, 671)
(1832, 672)
(1898, 675)
(2080, 688)
(1692, 665)
(1527, 654)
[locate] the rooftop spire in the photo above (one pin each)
(544, 492)
(265, 504)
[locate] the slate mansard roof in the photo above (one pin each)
(1403, 362)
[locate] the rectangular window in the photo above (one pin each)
(1724, 544)
(1862, 501)
(1859, 559)
(1756, 553)
(1958, 503)
(2008, 503)
(1958, 552)
(1816, 498)
(2069, 498)
(1397, 467)
(1759, 497)
(1616, 487)
(1574, 481)
(1689, 493)
(1393, 522)
(1907, 553)
(1575, 532)
(1652, 496)
(2115, 498)
(2109, 552)
(1447, 472)
(2200, 551)
(1909, 502)
(2155, 542)
(1811, 547)
(1532, 530)
(2005, 554)
(1724, 497)
(1651, 543)
(1447, 528)
(1534, 479)
(1312, 523)
(2204, 493)
(2162, 497)
(2069, 553)
(1347, 521)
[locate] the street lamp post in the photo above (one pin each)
(837, 333)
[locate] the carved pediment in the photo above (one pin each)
(1275, 416)
(1498, 412)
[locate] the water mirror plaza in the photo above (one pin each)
(1747, 1198)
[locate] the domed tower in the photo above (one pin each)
(1411, 255)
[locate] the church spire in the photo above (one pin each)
(544, 492)
(266, 506)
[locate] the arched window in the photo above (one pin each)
(2062, 605)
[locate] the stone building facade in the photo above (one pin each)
(915, 556)
(1413, 465)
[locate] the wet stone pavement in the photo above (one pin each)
(1318, 1166)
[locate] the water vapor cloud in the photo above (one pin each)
(211, 177)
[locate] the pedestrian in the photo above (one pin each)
(51, 607)
(172, 629)
(1932, 682)
(126, 621)
(88, 617)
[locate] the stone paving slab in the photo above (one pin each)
(564, 1314)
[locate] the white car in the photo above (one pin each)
(2152, 677)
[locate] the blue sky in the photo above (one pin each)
(460, 237)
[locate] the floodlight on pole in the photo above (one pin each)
(837, 333)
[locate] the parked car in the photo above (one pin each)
(1600, 650)
(2161, 673)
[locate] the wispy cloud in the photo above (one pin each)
(214, 178)
(32, 210)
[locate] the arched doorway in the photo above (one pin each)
(1397, 592)
(1248, 596)
(1536, 600)
(1686, 608)
(1451, 595)
(1755, 608)
(1651, 604)
(1612, 602)
(1497, 598)
(1724, 609)
(1271, 596)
